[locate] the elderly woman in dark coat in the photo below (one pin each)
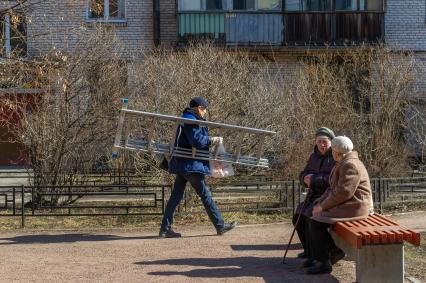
(315, 176)
(348, 198)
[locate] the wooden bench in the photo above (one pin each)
(377, 245)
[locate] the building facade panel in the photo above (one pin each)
(405, 24)
(63, 24)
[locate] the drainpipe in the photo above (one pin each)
(156, 24)
(8, 48)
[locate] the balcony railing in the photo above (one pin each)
(275, 28)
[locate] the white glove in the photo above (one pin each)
(216, 140)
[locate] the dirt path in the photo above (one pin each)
(247, 254)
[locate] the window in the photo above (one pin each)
(214, 5)
(308, 5)
(360, 86)
(346, 5)
(326, 5)
(107, 9)
(371, 5)
(316, 5)
(293, 5)
(190, 5)
(250, 5)
(269, 5)
(13, 35)
(244, 5)
(201, 5)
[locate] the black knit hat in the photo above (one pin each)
(198, 101)
(324, 131)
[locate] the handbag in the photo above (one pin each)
(164, 164)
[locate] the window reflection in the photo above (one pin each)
(316, 5)
(371, 5)
(275, 5)
(346, 5)
(202, 5)
(308, 5)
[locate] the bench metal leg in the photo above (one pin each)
(380, 263)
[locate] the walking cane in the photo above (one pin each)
(295, 225)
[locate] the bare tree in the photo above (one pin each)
(71, 123)
(361, 92)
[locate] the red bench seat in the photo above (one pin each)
(376, 229)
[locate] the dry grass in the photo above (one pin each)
(415, 260)
(107, 222)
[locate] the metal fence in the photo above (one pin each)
(74, 200)
(112, 200)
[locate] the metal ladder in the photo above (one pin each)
(125, 141)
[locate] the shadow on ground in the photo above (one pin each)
(270, 269)
(66, 238)
(265, 247)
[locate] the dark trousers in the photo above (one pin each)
(197, 181)
(321, 241)
(302, 229)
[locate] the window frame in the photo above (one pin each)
(7, 40)
(106, 14)
(357, 7)
(8, 37)
(333, 9)
(227, 6)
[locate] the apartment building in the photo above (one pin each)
(283, 30)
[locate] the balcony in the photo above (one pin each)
(292, 26)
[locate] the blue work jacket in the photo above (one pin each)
(189, 136)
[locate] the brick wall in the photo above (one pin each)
(63, 24)
(405, 28)
(420, 58)
(168, 23)
(405, 24)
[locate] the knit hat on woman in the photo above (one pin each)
(324, 132)
(342, 144)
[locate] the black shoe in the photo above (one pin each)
(227, 227)
(308, 263)
(336, 255)
(169, 233)
(320, 267)
(301, 255)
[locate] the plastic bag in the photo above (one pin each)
(220, 169)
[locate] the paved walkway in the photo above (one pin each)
(246, 254)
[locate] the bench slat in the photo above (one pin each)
(375, 229)
(366, 238)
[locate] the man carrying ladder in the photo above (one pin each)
(192, 170)
(188, 152)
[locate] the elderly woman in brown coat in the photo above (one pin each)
(348, 198)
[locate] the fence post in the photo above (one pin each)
(22, 207)
(380, 196)
(14, 201)
(386, 189)
(294, 196)
(162, 200)
(32, 200)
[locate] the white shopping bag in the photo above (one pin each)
(220, 169)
